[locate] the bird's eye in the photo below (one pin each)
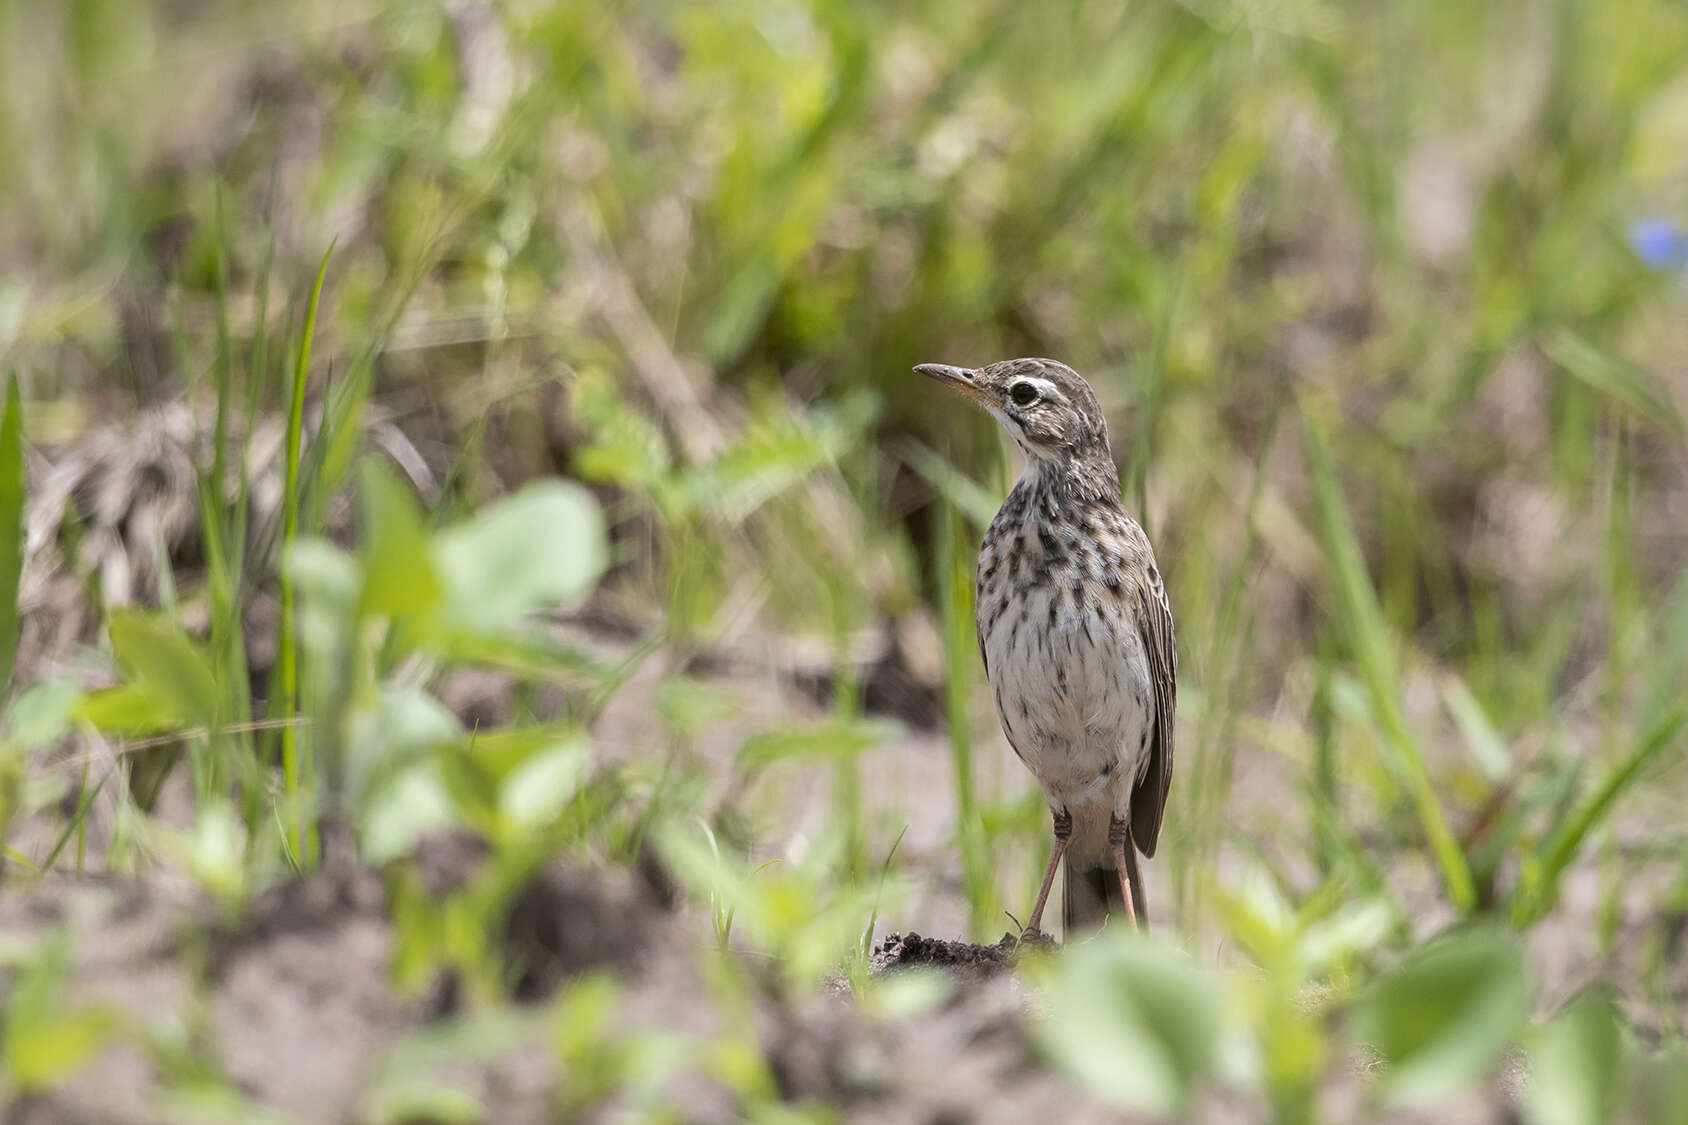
(1023, 394)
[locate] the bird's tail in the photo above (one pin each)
(1092, 894)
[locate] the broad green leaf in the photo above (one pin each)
(539, 548)
(499, 753)
(1576, 1065)
(46, 1038)
(321, 570)
(1441, 1018)
(43, 711)
(536, 792)
(217, 850)
(330, 583)
(1355, 930)
(158, 656)
(401, 727)
(401, 812)
(398, 569)
(12, 486)
(126, 711)
(1135, 1021)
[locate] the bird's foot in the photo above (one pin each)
(1033, 938)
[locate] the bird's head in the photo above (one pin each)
(1046, 406)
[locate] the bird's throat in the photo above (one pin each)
(1079, 480)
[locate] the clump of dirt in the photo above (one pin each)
(567, 921)
(963, 960)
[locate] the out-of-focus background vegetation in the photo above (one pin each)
(494, 635)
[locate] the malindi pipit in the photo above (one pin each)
(1076, 635)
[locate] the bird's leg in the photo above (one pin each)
(1119, 839)
(1063, 833)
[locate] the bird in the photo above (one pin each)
(1076, 634)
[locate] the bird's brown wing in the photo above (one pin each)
(1148, 797)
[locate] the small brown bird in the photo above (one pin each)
(1076, 635)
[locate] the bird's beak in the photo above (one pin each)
(959, 379)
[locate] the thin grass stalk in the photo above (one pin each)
(847, 769)
(1621, 601)
(294, 767)
(1558, 852)
(1369, 641)
(1326, 773)
(257, 381)
(1225, 669)
(257, 751)
(74, 826)
(227, 641)
(1148, 409)
(955, 599)
(12, 488)
(222, 371)
(82, 821)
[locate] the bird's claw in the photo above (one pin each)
(1035, 938)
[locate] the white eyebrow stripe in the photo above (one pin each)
(1044, 387)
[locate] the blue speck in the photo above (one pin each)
(1660, 243)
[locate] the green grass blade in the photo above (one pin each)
(1667, 656)
(1150, 380)
(1225, 665)
(1361, 622)
(218, 523)
(257, 381)
(955, 596)
(11, 528)
(223, 374)
(1566, 842)
(74, 825)
(1636, 388)
(952, 484)
(293, 767)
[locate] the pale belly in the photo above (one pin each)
(1072, 690)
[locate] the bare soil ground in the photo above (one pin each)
(294, 1001)
(295, 1004)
